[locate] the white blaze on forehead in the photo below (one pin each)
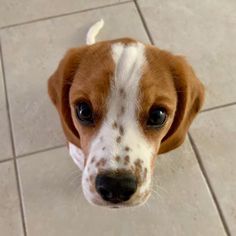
(122, 108)
(129, 60)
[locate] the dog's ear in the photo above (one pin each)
(58, 89)
(190, 97)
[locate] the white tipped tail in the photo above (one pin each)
(93, 31)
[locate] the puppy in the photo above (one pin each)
(121, 103)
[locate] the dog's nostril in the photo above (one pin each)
(105, 193)
(116, 188)
(125, 195)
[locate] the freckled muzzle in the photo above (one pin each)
(116, 188)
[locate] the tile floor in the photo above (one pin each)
(195, 185)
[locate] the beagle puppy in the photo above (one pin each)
(121, 103)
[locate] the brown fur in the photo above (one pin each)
(114, 125)
(118, 139)
(121, 130)
(169, 82)
(126, 160)
(117, 158)
(85, 74)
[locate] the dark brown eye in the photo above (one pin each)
(157, 117)
(84, 113)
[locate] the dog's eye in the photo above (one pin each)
(84, 113)
(157, 117)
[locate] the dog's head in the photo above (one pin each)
(121, 103)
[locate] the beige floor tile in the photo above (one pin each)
(10, 220)
(5, 143)
(203, 31)
(15, 11)
(54, 203)
(215, 133)
(31, 53)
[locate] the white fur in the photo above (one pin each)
(77, 155)
(130, 61)
(93, 31)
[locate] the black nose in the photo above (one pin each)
(116, 188)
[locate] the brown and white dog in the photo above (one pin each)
(122, 102)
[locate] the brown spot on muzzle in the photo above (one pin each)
(114, 125)
(138, 164)
(118, 139)
(101, 162)
(138, 169)
(122, 111)
(117, 158)
(122, 92)
(121, 130)
(93, 159)
(145, 174)
(127, 159)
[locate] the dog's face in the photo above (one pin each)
(121, 103)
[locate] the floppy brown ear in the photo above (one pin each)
(58, 89)
(190, 95)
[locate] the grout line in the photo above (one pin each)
(152, 42)
(64, 14)
(12, 144)
(20, 197)
(41, 151)
(211, 190)
(144, 22)
(6, 160)
(195, 149)
(218, 107)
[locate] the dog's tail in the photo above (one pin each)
(93, 31)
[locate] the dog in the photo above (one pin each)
(121, 103)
